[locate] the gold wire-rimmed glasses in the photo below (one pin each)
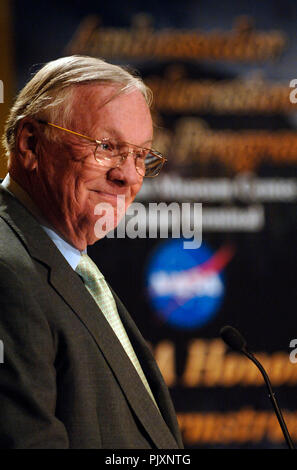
(111, 154)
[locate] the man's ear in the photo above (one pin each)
(27, 139)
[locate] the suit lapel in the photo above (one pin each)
(84, 306)
(151, 370)
(74, 293)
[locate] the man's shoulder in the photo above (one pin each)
(12, 250)
(23, 241)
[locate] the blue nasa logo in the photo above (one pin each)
(186, 287)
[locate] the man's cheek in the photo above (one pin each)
(135, 190)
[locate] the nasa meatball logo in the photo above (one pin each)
(186, 287)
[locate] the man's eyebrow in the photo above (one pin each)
(150, 141)
(111, 132)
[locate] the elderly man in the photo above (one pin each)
(76, 373)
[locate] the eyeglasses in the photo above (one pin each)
(111, 154)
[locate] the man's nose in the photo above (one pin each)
(126, 170)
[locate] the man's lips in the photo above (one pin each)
(110, 196)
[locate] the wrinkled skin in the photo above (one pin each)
(62, 177)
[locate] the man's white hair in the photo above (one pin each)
(48, 94)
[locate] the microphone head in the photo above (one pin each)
(233, 338)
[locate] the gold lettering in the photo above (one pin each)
(165, 357)
(274, 432)
(242, 426)
(209, 426)
(244, 419)
(226, 429)
(234, 369)
(259, 426)
(214, 363)
(195, 363)
(191, 426)
(208, 364)
(176, 44)
(281, 369)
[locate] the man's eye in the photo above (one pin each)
(142, 155)
(106, 146)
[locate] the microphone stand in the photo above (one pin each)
(272, 397)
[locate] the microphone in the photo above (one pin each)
(235, 341)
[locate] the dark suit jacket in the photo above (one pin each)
(66, 381)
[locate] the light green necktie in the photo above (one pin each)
(98, 288)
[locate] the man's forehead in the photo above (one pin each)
(112, 133)
(99, 95)
(121, 110)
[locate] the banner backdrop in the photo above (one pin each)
(214, 239)
(7, 83)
